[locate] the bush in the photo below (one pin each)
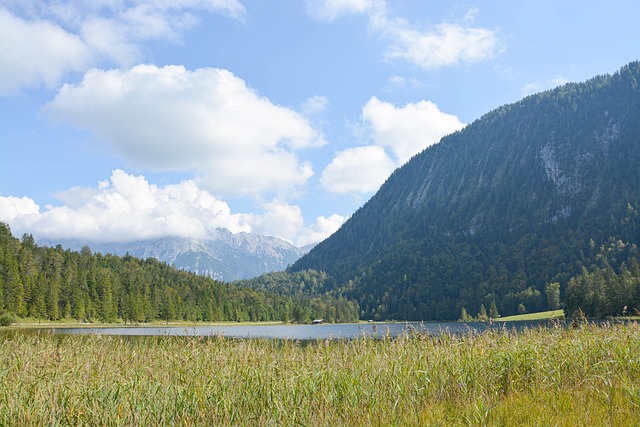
(6, 319)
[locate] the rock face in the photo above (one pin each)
(497, 210)
(225, 256)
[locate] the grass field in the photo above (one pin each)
(540, 377)
(542, 315)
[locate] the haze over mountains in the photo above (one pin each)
(224, 256)
(531, 193)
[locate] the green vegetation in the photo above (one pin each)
(6, 319)
(564, 377)
(530, 195)
(542, 315)
(56, 284)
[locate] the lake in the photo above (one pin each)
(297, 332)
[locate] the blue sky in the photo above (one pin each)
(124, 119)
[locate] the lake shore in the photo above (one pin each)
(72, 323)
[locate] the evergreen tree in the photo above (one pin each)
(493, 310)
(14, 291)
(482, 314)
(107, 308)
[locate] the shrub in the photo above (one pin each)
(6, 319)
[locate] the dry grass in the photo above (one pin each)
(584, 376)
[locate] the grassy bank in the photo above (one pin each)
(542, 315)
(584, 376)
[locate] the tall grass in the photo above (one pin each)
(539, 377)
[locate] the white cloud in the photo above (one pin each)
(329, 10)
(286, 221)
(409, 129)
(445, 45)
(321, 229)
(314, 105)
(442, 45)
(40, 41)
(127, 208)
(14, 207)
(357, 170)
(207, 121)
(405, 130)
(279, 219)
(36, 52)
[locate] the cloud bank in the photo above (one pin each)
(127, 208)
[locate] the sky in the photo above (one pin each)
(123, 120)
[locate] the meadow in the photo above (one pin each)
(589, 375)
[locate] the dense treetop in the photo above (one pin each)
(52, 283)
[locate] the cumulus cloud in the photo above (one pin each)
(405, 131)
(357, 170)
(409, 129)
(41, 41)
(279, 219)
(321, 229)
(14, 207)
(127, 208)
(205, 121)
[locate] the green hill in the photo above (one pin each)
(535, 192)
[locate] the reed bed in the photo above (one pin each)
(540, 377)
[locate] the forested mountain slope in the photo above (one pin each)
(529, 194)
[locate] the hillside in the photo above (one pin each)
(50, 283)
(529, 194)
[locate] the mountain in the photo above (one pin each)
(225, 256)
(529, 194)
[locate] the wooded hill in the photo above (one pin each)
(533, 193)
(53, 283)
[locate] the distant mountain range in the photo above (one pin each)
(531, 193)
(224, 256)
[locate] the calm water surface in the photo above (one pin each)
(298, 332)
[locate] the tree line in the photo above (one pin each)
(51, 283)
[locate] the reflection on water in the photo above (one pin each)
(299, 332)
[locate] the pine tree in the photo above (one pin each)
(482, 314)
(14, 291)
(107, 309)
(493, 310)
